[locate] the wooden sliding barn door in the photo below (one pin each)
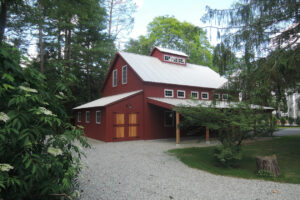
(126, 125)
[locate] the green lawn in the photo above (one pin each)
(286, 148)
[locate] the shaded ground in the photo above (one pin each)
(143, 170)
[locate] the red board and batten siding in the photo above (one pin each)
(134, 82)
(92, 129)
(133, 104)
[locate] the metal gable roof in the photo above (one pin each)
(171, 51)
(104, 101)
(151, 69)
(205, 103)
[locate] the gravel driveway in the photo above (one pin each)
(143, 170)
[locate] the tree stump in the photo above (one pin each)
(268, 163)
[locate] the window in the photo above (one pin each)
(124, 74)
(217, 96)
(168, 93)
(114, 81)
(180, 94)
(194, 94)
(79, 117)
(181, 60)
(87, 116)
(169, 119)
(98, 117)
(174, 59)
(167, 58)
(204, 95)
(224, 96)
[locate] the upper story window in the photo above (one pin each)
(98, 117)
(174, 59)
(114, 78)
(79, 117)
(217, 96)
(204, 95)
(124, 74)
(169, 93)
(87, 116)
(180, 94)
(195, 94)
(224, 96)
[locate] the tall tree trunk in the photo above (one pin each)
(110, 17)
(41, 43)
(58, 43)
(3, 18)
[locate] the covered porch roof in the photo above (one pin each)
(169, 103)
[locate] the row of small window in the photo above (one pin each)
(194, 94)
(115, 76)
(174, 59)
(88, 117)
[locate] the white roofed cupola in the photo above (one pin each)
(169, 56)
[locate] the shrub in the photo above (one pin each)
(291, 120)
(265, 173)
(39, 149)
(228, 155)
(298, 120)
(282, 121)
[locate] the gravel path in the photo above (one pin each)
(143, 170)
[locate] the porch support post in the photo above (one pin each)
(177, 128)
(207, 136)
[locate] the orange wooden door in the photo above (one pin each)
(133, 125)
(119, 125)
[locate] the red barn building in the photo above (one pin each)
(139, 93)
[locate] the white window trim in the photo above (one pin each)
(113, 78)
(205, 93)
(195, 93)
(183, 94)
(165, 125)
(123, 82)
(168, 90)
(218, 96)
(86, 112)
(98, 111)
(223, 96)
(165, 57)
(79, 118)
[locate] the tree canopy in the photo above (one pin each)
(168, 32)
(266, 34)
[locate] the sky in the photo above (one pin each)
(184, 10)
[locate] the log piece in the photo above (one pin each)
(268, 163)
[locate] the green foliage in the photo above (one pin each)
(298, 120)
(224, 60)
(290, 120)
(170, 33)
(228, 156)
(40, 150)
(265, 34)
(282, 121)
(265, 173)
(233, 125)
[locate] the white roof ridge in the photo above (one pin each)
(103, 101)
(172, 51)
